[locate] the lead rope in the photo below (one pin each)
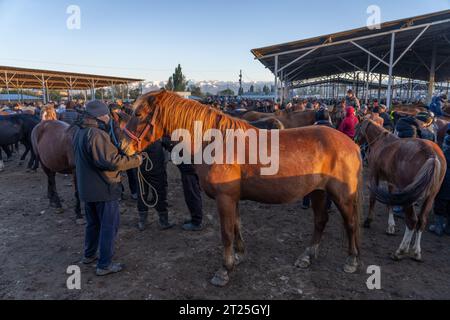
(148, 166)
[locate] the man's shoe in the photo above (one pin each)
(90, 260)
(134, 196)
(398, 212)
(113, 268)
(189, 226)
(438, 226)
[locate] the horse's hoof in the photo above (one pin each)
(351, 266)
(417, 257)
(391, 231)
(80, 222)
(367, 224)
(303, 262)
(399, 256)
(221, 278)
(239, 259)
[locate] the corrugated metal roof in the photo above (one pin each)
(325, 59)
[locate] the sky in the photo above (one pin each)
(147, 39)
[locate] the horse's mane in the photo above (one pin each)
(175, 112)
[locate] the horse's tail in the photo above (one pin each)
(427, 178)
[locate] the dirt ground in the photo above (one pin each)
(37, 245)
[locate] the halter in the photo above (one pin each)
(150, 124)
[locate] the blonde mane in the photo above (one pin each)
(173, 112)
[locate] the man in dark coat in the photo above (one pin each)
(442, 202)
(99, 164)
(70, 115)
(408, 127)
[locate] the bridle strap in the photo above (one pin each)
(147, 128)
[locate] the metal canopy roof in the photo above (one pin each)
(342, 53)
(21, 78)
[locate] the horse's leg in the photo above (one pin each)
(370, 217)
(78, 216)
(411, 223)
(348, 206)
(423, 220)
(55, 202)
(239, 240)
(2, 165)
(27, 150)
(391, 222)
(227, 212)
(319, 205)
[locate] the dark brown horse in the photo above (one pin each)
(290, 120)
(315, 160)
(413, 169)
(53, 144)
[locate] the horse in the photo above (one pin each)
(14, 129)
(290, 120)
(442, 126)
(268, 124)
(53, 144)
(315, 160)
(413, 169)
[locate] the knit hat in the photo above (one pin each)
(97, 109)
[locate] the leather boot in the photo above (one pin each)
(143, 216)
(164, 223)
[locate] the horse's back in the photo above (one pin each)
(53, 145)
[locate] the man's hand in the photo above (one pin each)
(141, 159)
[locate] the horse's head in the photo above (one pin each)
(361, 132)
(142, 130)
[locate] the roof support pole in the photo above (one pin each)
(391, 69)
(7, 86)
(432, 81)
(367, 79)
(380, 79)
(276, 78)
(44, 94)
(297, 59)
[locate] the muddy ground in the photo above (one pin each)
(37, 245)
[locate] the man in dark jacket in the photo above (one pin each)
(388, 125)
(442, 202)
(408, 127)
(70, 115)
(99, 164)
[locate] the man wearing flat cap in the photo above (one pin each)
(99, 164)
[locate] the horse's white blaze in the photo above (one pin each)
(417, 248)
(2, 165)
(404, 246)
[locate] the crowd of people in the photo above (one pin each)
(100, 162)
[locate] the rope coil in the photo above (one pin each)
(148, 166)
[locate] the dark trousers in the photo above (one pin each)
(307, 202)
(132, 181)
(192, 192)
(158, 179)
(103, 219)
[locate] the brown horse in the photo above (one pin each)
(290, 120)
(53, 144)
(409, 109)
(412, 169)
(314, 160)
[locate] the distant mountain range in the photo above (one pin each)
(212, 86)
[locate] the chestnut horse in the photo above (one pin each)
(290, 120)
(53, 145)
(314, 160)
(413, 169)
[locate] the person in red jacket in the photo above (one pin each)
(349, 123)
